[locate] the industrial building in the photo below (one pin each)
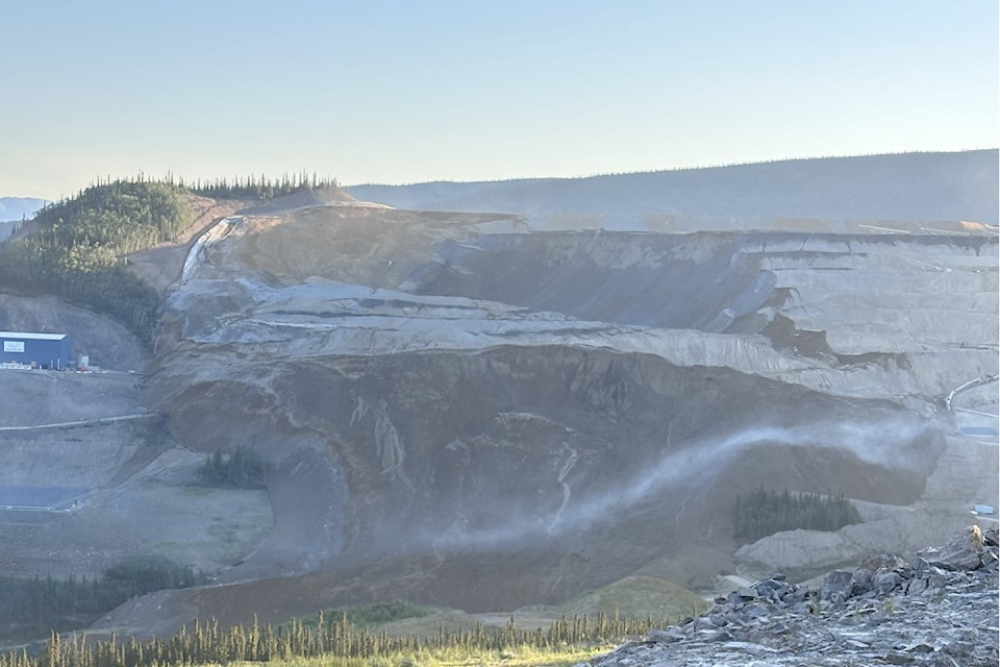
(38, 350)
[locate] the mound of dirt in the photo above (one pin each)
(636, 597)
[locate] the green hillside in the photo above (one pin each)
(78, 246)
(76, 249)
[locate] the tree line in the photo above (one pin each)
(764, 513)
(79, 246)
(31, 607)
(209, 643)
(260, 186)
(78, 249)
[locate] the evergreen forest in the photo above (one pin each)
(764, 513)
(260, 187)
(31, 607)
(337, 641)
(78, 246)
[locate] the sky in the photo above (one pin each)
(398, 91)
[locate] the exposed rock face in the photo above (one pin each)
(905, 613)
(496, 417)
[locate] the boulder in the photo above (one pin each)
(886, 582)
(668, 636)
(861, 581)
(916, 586)
(962, 552)
(919, 566)
(837, 586)
(886, 562)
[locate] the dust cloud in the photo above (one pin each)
(888, 443)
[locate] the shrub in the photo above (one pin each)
(242, 469)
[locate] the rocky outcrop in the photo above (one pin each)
(939, 608)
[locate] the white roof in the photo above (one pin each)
(31, 336)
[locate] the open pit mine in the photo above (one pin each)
(457, 409)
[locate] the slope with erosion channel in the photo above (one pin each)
(463, 417)
(562, 468)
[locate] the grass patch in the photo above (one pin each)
(634, 597)
(524, 656)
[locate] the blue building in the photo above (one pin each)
(42, 350)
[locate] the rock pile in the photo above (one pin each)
(939, 608)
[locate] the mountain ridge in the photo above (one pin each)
(905, 186)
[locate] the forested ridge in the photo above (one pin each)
(78, 247)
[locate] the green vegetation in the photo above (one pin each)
(31, 607)
(260, 187)
(240, 470)
(367, 615)
(338, 642)
(638, 596)
(77, 250)
(124, 215)
(78, 247)
(764, 513)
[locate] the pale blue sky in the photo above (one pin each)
(398, 91)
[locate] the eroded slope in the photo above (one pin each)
(487, 419)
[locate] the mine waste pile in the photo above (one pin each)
(938, 608)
